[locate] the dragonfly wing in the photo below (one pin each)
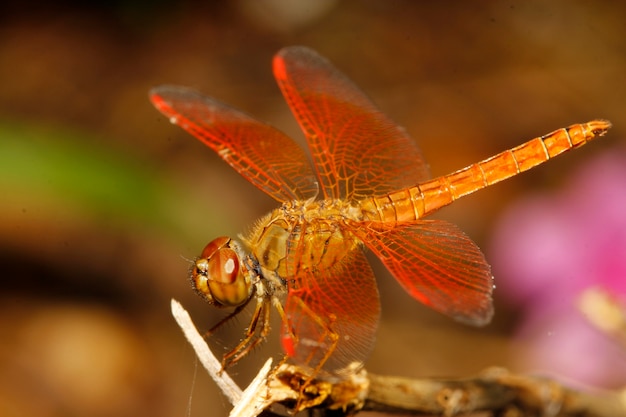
(357, 150)
(263, 155)
(341, 301)
(438, 265)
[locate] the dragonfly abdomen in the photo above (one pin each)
(416, 202)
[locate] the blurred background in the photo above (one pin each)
(104, 203)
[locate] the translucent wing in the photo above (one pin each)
(438, 265)
(263, 155)
(357, 151)
(342, 302)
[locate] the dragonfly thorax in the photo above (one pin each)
(303, 235)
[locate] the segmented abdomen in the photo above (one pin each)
(416, 202)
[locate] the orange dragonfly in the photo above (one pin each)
(367, 187)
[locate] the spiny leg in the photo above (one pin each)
(326, 333)
(250, 339)
(327, 336)
(226, 319)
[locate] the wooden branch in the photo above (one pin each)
(494, 392)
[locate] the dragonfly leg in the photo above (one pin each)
(225, 319)
(252, 338)
(327, 340)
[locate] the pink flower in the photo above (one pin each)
(549, 248)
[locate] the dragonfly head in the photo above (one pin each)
(219, 276)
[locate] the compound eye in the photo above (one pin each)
(219, 276)
(224, 266)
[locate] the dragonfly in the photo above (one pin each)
(365, 185)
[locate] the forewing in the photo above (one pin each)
(263, 155)
(437, 264)
(357, 151)
(341, 301)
